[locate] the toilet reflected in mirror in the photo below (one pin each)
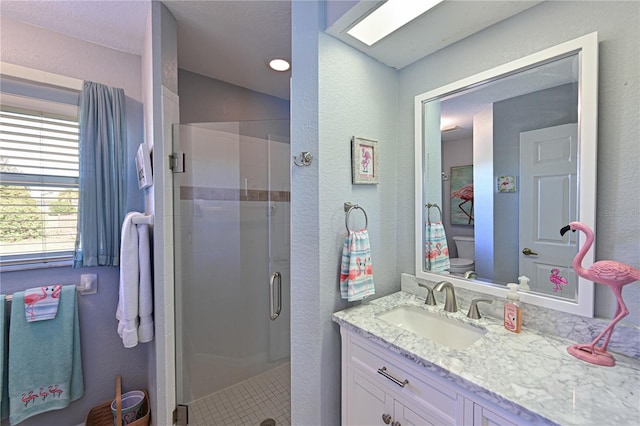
(465, 261)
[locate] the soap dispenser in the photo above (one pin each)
(524, 283)
(512, 310)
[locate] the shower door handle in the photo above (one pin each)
(275, 311)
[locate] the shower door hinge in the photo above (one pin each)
(181, 415)
(176, 162)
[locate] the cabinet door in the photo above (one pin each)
(485, 417)
(403, 416)
(367, 402)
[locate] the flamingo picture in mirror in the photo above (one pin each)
(613, 274)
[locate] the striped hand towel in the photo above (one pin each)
(436, 249)
(356, 273)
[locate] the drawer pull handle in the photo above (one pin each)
(398, 382)
(386, 418)
(395, 424)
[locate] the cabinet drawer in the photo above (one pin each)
(429, 395)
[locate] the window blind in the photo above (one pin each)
(38, 186)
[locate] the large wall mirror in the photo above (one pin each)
(505, 159)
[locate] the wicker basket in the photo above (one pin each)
(101, 415)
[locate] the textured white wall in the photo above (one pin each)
(60, 54)
(337, 93)
(306, 331)
(545, 25)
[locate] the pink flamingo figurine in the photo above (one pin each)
(613, 274)
(557, 280)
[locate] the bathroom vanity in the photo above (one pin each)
(391, 375)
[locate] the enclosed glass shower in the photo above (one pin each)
(231, 227)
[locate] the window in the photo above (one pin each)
(38, 186)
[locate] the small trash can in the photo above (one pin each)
(101, 415)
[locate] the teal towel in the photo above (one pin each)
(45, 367)
(4, 396)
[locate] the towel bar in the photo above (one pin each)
(143, 220)
(350, 206)
(79, 289)
(429, 206)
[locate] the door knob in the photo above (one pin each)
(386, 418)
(527, 252)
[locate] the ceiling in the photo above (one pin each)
(232, 40)
(226, 40)
(116, 24)
(445, 24)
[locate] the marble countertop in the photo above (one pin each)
(528, 374)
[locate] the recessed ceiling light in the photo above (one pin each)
(389, 17)
(279, 64)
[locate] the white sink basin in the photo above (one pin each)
(446, 331)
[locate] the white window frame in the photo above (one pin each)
(21, 103)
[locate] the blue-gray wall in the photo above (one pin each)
(336, 93)
(203, 100)
(543, 26)
(103, 355)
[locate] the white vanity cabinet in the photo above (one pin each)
(380, 387)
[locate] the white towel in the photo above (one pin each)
(135, 305)
(145, 303)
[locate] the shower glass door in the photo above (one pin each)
(231, 230)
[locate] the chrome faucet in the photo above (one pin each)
(450, 304)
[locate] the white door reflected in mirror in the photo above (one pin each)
(548, 182)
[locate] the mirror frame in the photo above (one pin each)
(587, 49)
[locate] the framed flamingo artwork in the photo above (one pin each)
(364, 161)
(461, 195)
(506, 184)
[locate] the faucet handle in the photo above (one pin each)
(430, 300)
(474, 312)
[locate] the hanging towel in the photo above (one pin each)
(45, 366)
(135, 304)
(145, 310)
(356, 274)
(41, 303)
(4, 359)
(436, 249)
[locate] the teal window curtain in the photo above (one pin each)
(102, 183)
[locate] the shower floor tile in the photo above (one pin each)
(248, 403)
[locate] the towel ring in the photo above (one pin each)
(350, 206)
(429, 206)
